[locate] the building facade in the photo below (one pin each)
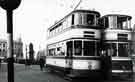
(17, 48)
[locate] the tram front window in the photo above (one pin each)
(90, 19)
(123, 50)
(89, 48)
(78, 48)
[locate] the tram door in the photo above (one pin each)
(69, 49)
(69, 55)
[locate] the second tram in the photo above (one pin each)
(117, 42)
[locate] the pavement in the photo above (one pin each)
(30, 74)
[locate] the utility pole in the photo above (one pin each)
(77, 4)
(9, 6)
(26, 53)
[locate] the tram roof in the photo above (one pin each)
(75, 11)
(118, 15)
(87, 11)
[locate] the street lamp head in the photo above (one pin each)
(9, 4)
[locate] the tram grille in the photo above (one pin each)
(89, 34)
(122, 36)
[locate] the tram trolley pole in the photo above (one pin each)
(9, 6)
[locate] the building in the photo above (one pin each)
(17, 48)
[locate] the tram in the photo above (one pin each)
(73, 45)
(117, 42)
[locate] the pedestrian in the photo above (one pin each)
(106, 66)
(0, 63)
(27, 64)
(41, 62)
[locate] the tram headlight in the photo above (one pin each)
(89, 66)
(123, 67)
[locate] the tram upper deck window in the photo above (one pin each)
(123, 23)
(88, 19)
(103, 22)
(89, 48)
(112, 21)
(78, 48)
(119, 21)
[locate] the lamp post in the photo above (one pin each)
(9, 6)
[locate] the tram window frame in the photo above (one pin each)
(73, 19)
(69, 21)
(78, 47)
(125, 23)
(86, 51)
(122, 51)
(98, 47)
(106, 22)
(90, 19)
(119, 23)
(85, 18)
(69, 45)
(59, 51)
(64, 24)
(80, 18)
(52, 52)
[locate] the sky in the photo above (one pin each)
(32, 18)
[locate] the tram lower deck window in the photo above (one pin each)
(89, 48)
(78, 47)
(123, 50)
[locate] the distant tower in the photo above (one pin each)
(31, 51)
